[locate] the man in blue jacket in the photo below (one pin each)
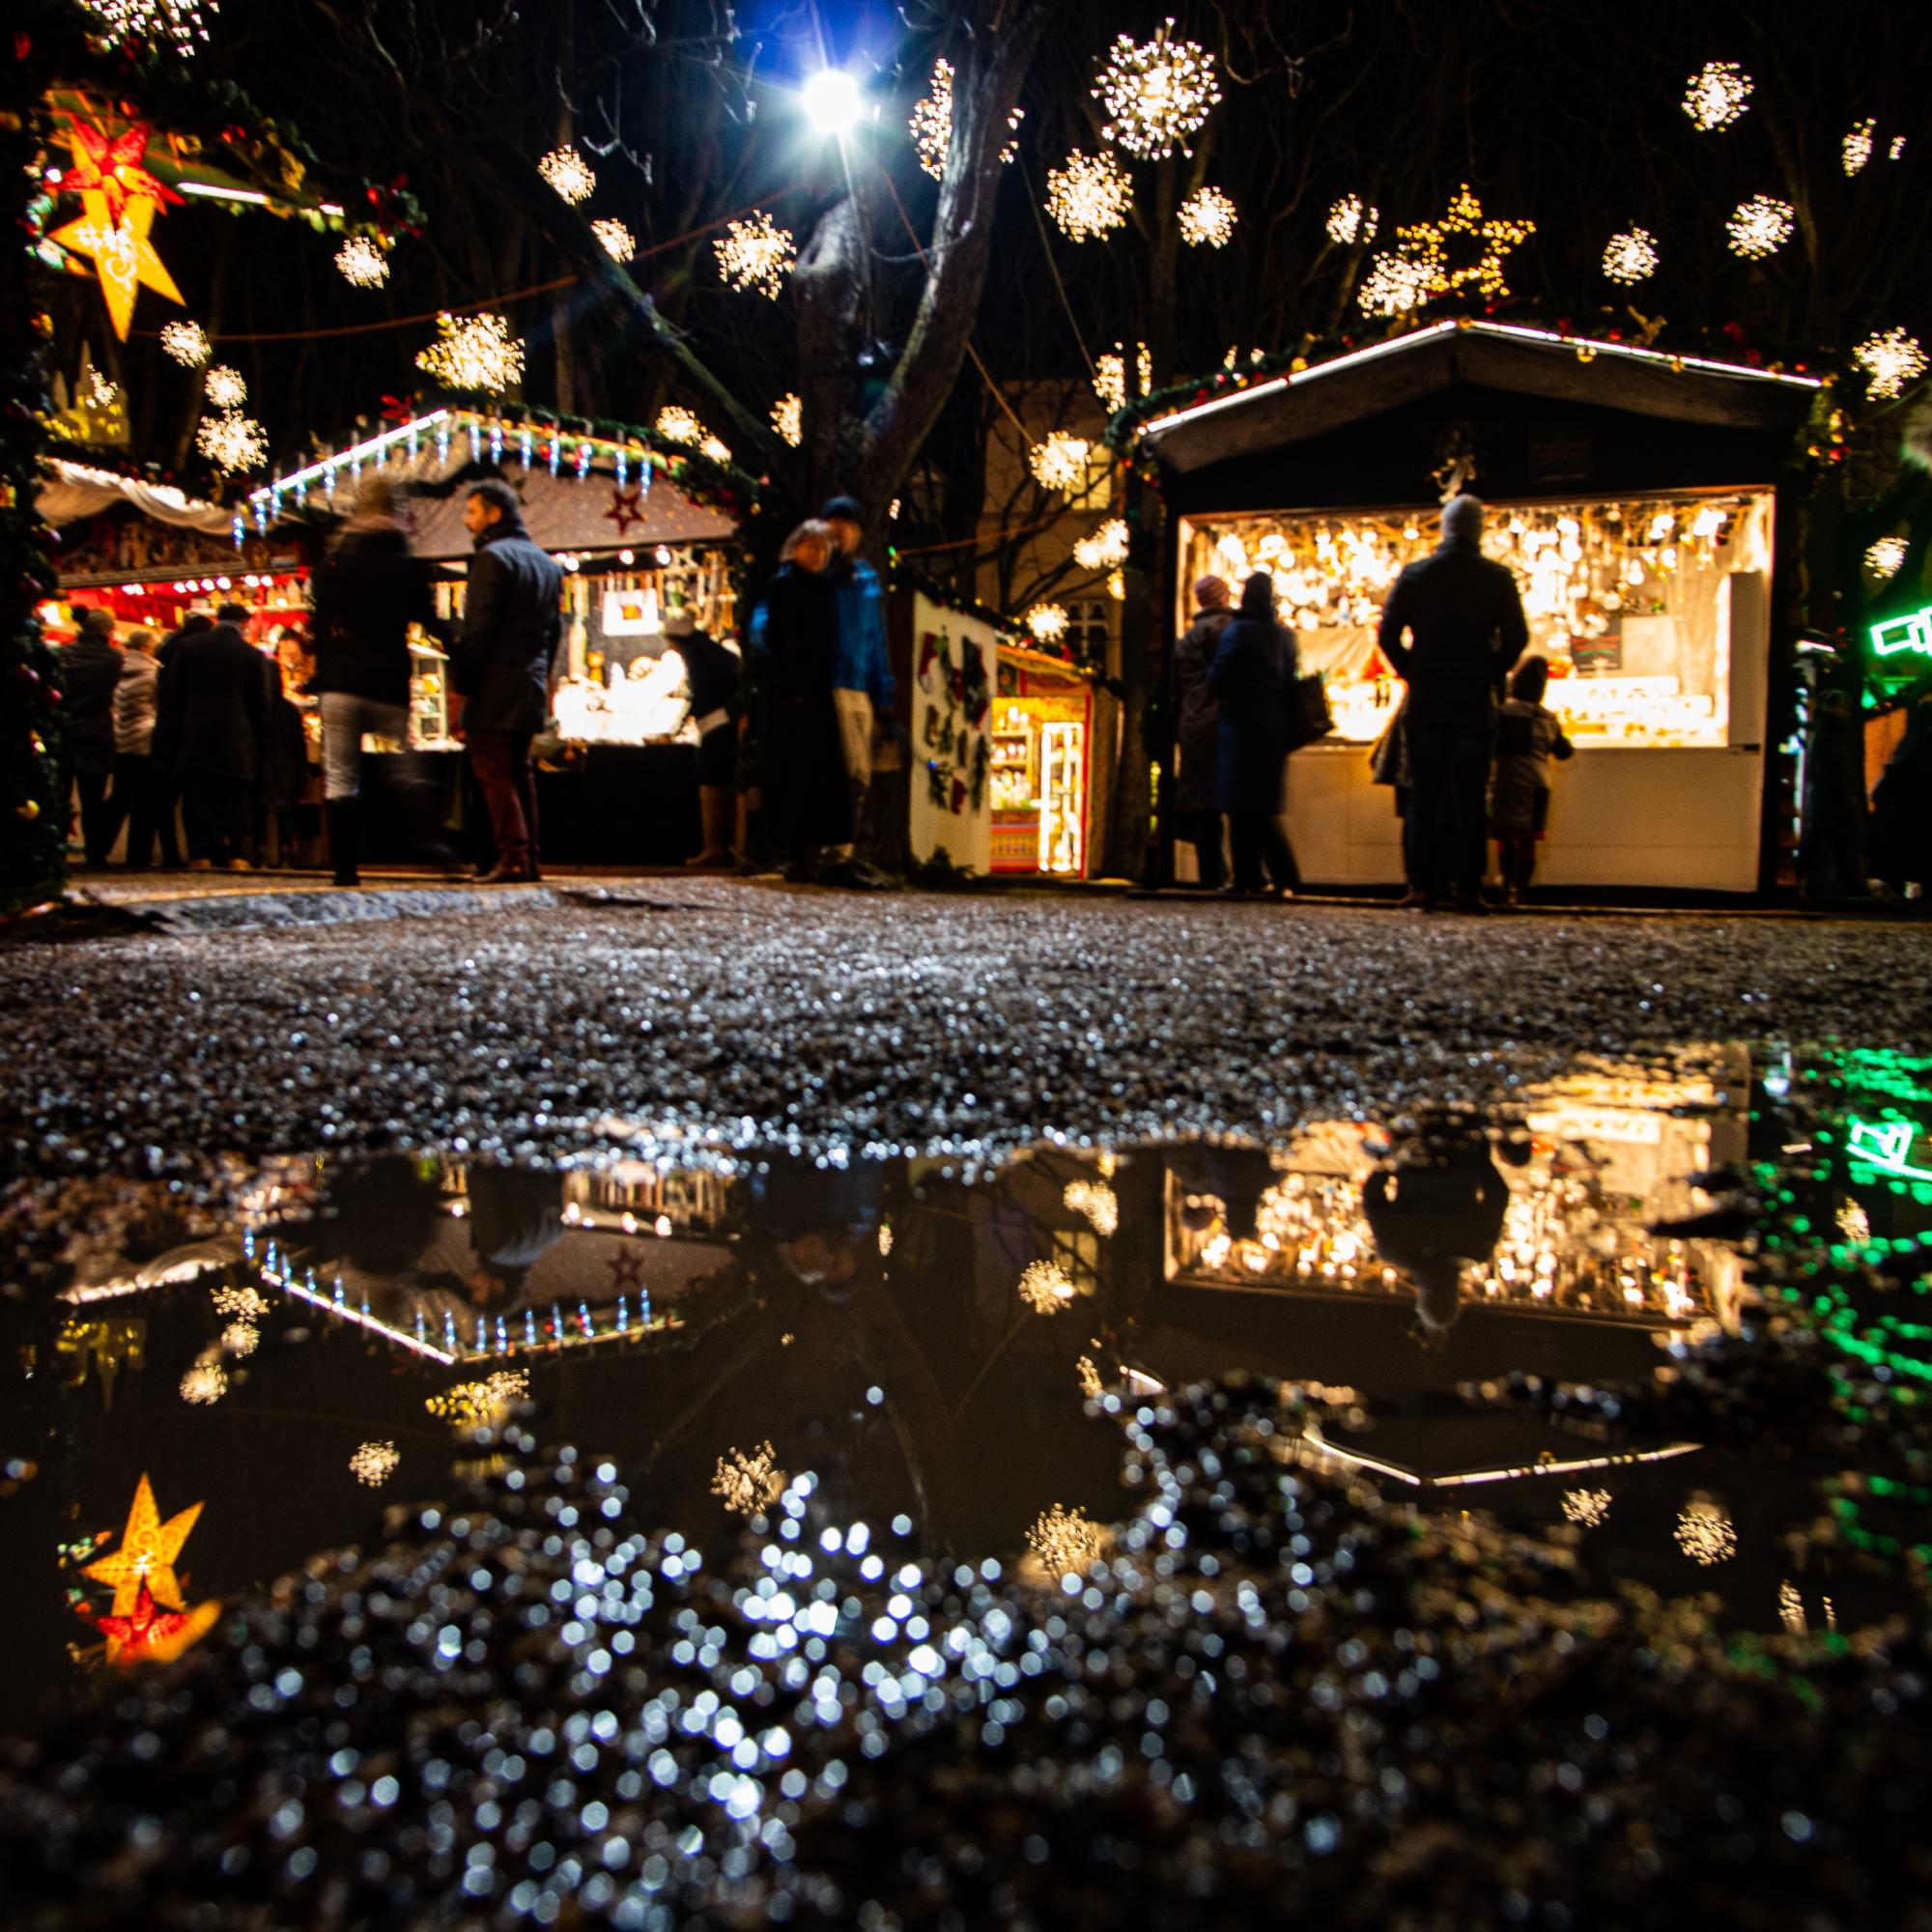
(862, 679)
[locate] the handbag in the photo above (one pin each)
(1309, 717)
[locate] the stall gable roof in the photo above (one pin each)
(1305, 403)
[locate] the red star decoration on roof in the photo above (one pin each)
(626, 508)
(148, 1633)
(627, 1269)
(113, 167)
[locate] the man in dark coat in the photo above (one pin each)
(1252, 679)
(216, 698)
(1466, 628)
(511, 626)
(162, 776)
(90, 667)
(1197, 730)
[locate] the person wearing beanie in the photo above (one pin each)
(90, 667)
(1452, 627)
(1197, 731)
(711, 678)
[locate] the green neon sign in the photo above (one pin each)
(1903, 634)
(1883, 1145)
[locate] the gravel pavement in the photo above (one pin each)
(540, 1024)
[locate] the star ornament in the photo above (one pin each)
(626, 508)
(1430, 245)
(112, 168)
(150, 1634)
(124, 258)
(145, 1562)
(627, 1271)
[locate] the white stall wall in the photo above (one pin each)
(966, 836)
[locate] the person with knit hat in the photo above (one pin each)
(1461, 619)
(1197, 730)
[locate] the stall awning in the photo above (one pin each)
(75, 489)
(1508, 357)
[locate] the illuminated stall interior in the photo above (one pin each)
(1042, 759)
(1628, 599)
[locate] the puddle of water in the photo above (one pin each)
(950, 1351)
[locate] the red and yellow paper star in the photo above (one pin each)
(150, 1634)
(145, 1562)
(119, 201)
(112, 168)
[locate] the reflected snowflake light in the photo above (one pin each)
(1094, 1199)
(374, 1463)
(1705, 1532)
(747, 1482)
(755, 254)
(241, 1338)
(361, 263)
(1631, 256)
(1207, 219)
(1351, 221)
(1046, 1287)
(186, 342)
(1717, 95)
(568, 173)
(1089, 195)
(241, 1300)
(1891, 362)
(204, 1382)
(1157, 94)
(1760, 226)
(481, 1403)
(1090, 1384)
(1068, 1541)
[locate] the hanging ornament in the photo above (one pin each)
(1892, 362)
(233, 442)
(1430, 244)
(1060, 463)
(931, 123)
(186, 342)
(1856, 148)
(176, 24)
(124, 259)
(145, 1557)
(1760, 226)
(788, 420)
(1207, 219)
(224, 387)
(112, 167)
(1395, 284)
(619, 244)
(679, 424)
(1110, 376)
(1089, 195)
(1631, 256)
(1350, 221)
(1717, 95)
(568, 173)
(1885, 558)
(473, 351)
(755, 254)
(1105, 549)
(374, 1463)
(146, 1634)
(1157, 94)
(362, 263)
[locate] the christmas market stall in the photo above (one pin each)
(641, 527)
(1637, 497)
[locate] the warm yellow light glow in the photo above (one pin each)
(1350, 221)
(1760, 226)
(1705, 1532)
(1432, 244)
(1587, 1507)
(619, 244)
(1110, 376)
(1856, 148)
(1096, 1201)
(186, 342)
(1089, 195)
(1891, 362)
(1631, 256)
(1046, 1287)
(931, 124)
(1060, 461)
(1157, 94)
(1105, 549)
(678, 422)
(1207, 219)
(788, 420)
(361, 263)
(1717, 95)
(746, 1481)
(224, 387)
(481, 1403)
(568, 173)
(374, 1463)
(204, 1382)
(1395, 284)
(755, 254)
(1883, 558)
(473, 351)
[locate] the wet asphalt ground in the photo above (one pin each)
(550, 1022)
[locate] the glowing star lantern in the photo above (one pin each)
(374, 1463)
(1395, 284)
(1110, 376)
(145, 1557)
(361, 263)
(204, 1383)
(113, 168)
(185, 342)
(1157, 94)
(473, 351)
(1060, 463)
(755, 254)
(1105, 549)
(224, 387)
(1717, 95)
(569, 174)
(1705, 1532)
(1044, 1285)
(146, 1634)
(1430, 244)
(679, 425)
(1760, 227)
(233, 443)
(788, 420)
(1631, 256)
(1089, 196)
(931, 123)
(1067, 1542)
(1892, 362)
(1856, 148)
(176, 24)
(1207, 219)
(1887, 556)
(748, 1481)
(1350, 221)
(619, 244)
(124, 259)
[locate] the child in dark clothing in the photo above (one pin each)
(1528, 735)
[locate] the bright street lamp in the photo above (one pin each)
(831, 100)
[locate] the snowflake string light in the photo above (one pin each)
(679, 424)
(1089, 196)
(1760, 226)
(1105, 549)
(1705, 1532)
(480, 1405)
(1896, 152)
(1717, 95)
(1892, 362)
(1791, 1609)
(1060, 463)
(619, 244)
(1395, 284)
(1090, 1384)
(712, 448)
(204, 1382)
(243, 1301)
(755, 254)
(1885, 558)
(186, 342)
(361, 264)
(1044, 1285)
(177, 24)
(1350, 221)
(1067, 1541)
(1207, 219)
(1856, 148)
(224, 387)
(569, 174)
(374, 1463)
(1157, 94)
(746, 1482)
(1631, 256)
(1110, 376)
(98, 392)
(241, 1338)
(788, 420)
(1588, 1507)
(473, 351)
(231, 443)
(931, 124)
(1094, 1199)
(1430, 243)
